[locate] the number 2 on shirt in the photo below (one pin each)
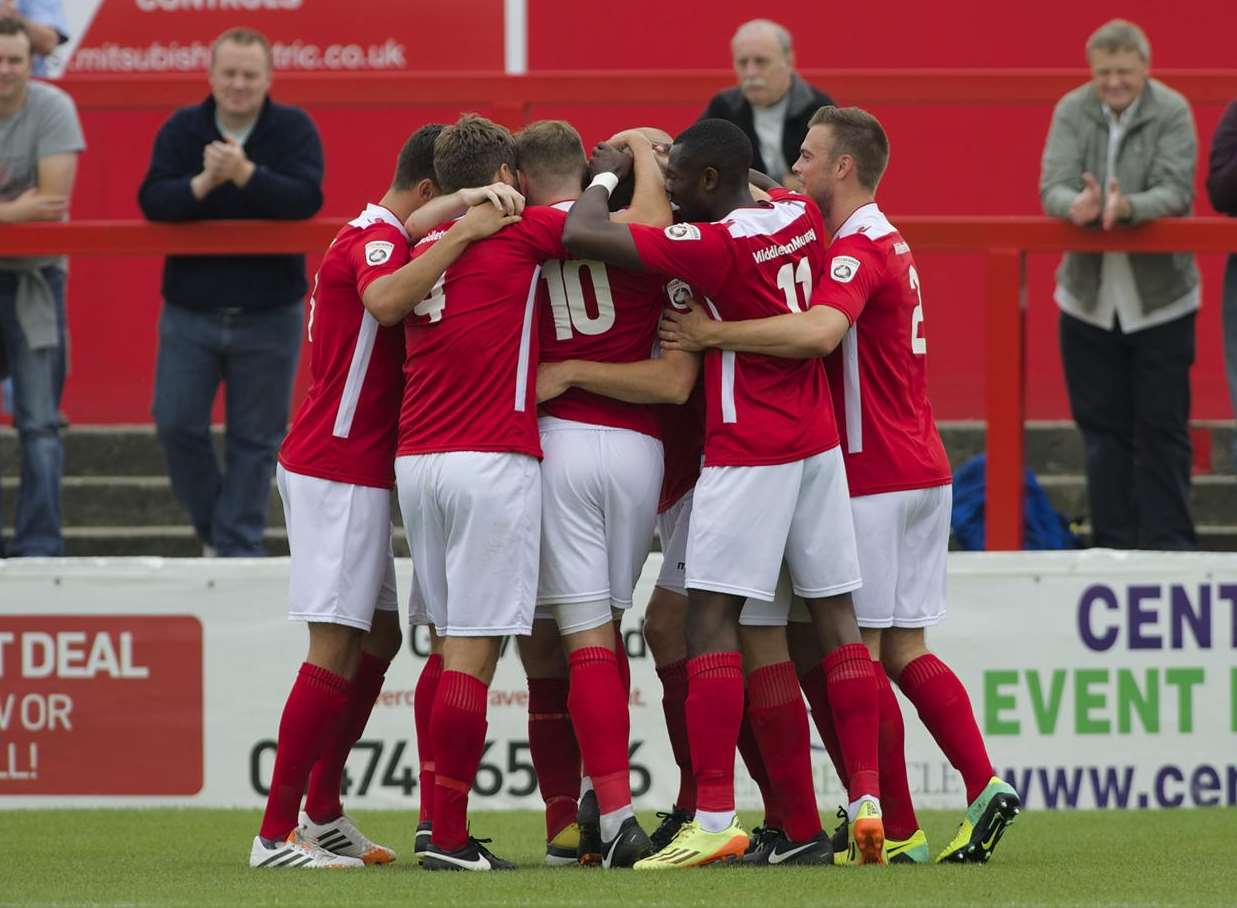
(919, 343)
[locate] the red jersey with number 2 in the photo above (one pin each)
(471, 367)
(754, 263)
(878, 374)
(345, 430)
(604, 314)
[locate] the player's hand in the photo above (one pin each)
(503, 197)
(684, 329)
(230, 161)
(1087, 205)
(553, 379)
(33, 205)
(1116, 205)
(608, 159)
(629, 139)
(481, 221)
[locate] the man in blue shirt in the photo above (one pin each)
(233, 319)
(45, 24)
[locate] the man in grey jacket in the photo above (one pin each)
(1121, 151)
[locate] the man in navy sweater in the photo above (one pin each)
(235, 319)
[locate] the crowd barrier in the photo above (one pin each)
(1100, 679)
(1004, 241)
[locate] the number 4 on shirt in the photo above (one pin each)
(432, 305)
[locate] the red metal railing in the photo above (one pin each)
(1004, 241)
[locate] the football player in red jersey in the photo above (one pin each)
(870, 305)
(337, 460)
(599, 480)
(772, 489)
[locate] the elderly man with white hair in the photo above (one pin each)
(771, 103)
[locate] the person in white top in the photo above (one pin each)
(1121, 151)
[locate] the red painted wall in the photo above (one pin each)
(946, 160)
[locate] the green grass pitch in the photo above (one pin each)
(198, 857)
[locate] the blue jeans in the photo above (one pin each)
(254, 353)
(38, 380)
(1228, 316)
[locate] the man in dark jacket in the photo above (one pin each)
(1222, 190)
(235, 319)
(771, 103)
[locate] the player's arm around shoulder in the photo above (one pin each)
(389, 299)
(588, 232)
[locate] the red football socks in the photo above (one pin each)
(313, 711)
(816, 689)
(714, 714)
(422, 708)
(457, 727)
(322, 803)
(674, 707)
(852, 696)
(779, 721)
(945, 710)
(896, 804)
(753, 759)
(599, 713)
(554, 751)
(624, 664)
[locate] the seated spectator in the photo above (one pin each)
(1121, 151)
(237, 318)
(771, 103)
(40, 139)
(1222, 189)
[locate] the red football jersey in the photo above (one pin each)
(604, 314)
(346, 428)
(682, 438)
(471, 368)
(878, 375)
(754, 263)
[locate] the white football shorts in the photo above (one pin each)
(903, 547)
(339, 534)
(599, 489)
(474, 528)
(672, 527)
(747, 520)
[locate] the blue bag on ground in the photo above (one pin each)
(1042, 526)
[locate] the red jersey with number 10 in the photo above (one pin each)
(754, 263)
(345, 429)
(601, 313)
(471, 367)
(878, 375)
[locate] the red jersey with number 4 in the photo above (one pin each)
(346, 428)
(471, 368)
(604, 314)
(878, 374)
(755, 262)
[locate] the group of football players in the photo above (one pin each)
(548, 357)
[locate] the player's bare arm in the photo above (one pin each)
(796, 335)
(589, 233)
(666, 380)
(649, 203)
(448, 207)
(389, 299)
(762, 181)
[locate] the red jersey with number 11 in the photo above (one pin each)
(878, 375)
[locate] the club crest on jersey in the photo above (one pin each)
(679, 293)
(683, 232)
(843, 268)
(378, 251)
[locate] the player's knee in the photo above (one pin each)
(900, 646)
(805, 651)
(334, 647)
(664, 622)
(541, 652)
(385, 638)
